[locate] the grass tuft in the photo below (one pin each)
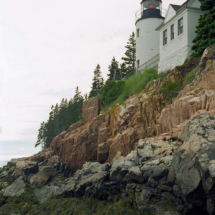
(190, 77)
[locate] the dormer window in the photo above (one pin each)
(180, 26)
(165, 37)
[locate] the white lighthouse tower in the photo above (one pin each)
(148, 18)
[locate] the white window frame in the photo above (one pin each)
(172, 32)
(180, 26)
(164, 37)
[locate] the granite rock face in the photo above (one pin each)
(192, 100)
(91, 109)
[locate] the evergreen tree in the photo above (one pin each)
(77, 106)
(207, 4)
(77, 97)
(206, 28)
(98, 82)
(111, 68)
(85, 97)
(123, 69)
(130, 59)
(60, 118)
(41, 137)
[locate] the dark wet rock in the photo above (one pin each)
(3, 174)
(3, 185)
(31, 168)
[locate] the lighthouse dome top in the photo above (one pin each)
(150, 9)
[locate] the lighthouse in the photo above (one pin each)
(148, 18)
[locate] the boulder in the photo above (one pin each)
(3, 174)
(88, 180)
(45, 173)
(120, 168)
(15, 189)
(31, 168)
(44, 193)
(20, 166)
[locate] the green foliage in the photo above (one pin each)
(60, 118)
(98, 82)
(135, 84)
(111, 68)
(117, 92)
(161, 75)
(123, 69)
(205, 29)
(207, 4)
(111, 91)
(190, 77)
(130, 55)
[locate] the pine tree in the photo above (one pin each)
(123, 69)
(98, 82)
(111, 68)
(206, 28)
(130, 59)
(77, 97)
(60, 118)
(85, 97)
(77, 106)
(41, 137)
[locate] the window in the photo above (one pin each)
(138, 32)
(138, 64)
(180, 26)
(165, 37)
(172, 32)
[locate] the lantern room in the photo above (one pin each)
(151, 8)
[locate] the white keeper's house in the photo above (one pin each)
(164, 38)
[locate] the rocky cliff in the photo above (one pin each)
(153, 154)
(105, 137)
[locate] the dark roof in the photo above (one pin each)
(177, 7)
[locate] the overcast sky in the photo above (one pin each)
(47, 48)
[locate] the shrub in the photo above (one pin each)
(117, 92)
(111, 91)
(136, 83)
